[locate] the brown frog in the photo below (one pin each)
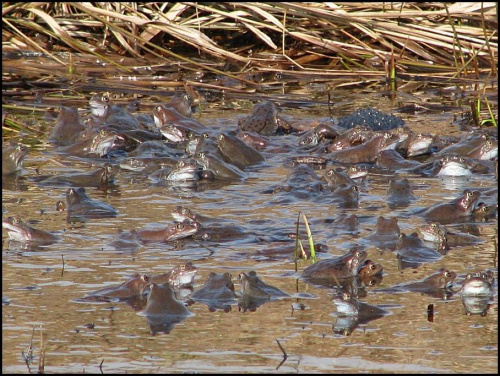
(181, 275)
(370, 273)
(346, 196)
(217, 292)
(20, 231)
(67, 128)
(399, 193)
(461, 206)
(412, 252)
(264, 120)
(342, 267)
(438, 233)
(366, 152)
(127, 290)
(169, 233)
(163, 310)
(13, 158)
(386, 233)
(438, 284)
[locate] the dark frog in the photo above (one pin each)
(264, 120)
(256, 292)
(81, 207)
(217, 292)
(342, 267)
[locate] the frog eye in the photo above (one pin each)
(105, 98)
(469, 276)
(355, 188)
(103, 132)
(16, 221)
(205, 135)
(185, 211)
(372, 282)
(469, 194)
(346, 296)
(144, 278)
(179, 226)
(190, 135)
(373, 266)
(447, 274)
(329, 172)
(220, 137)
(488, 143)
(359, 254)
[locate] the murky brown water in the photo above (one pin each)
(38, 292)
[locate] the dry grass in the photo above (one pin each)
(441, 40)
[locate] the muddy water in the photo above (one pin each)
(40, 287)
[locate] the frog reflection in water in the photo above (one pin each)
(256, 292)
(264, 120)
(217, 292)
(412, 251)
(13, 158)
(342, 267)
(163, 310)
(20, 231)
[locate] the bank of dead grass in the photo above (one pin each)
(444, 39)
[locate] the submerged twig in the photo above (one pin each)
(285, 356)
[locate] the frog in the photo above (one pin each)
(255, 292)
(385, 234)
(164, 115)
(438, 285)
(169, 233)
(486, 151)
(183, 171)
(217, 168)
(101, 177)
(416, 144)
(13, 158)
(366, 152)
(399, 193)
(301, 182)
(453, 165)
(462, 206)
(129, 289)
(477, 292)
(217, 292)
(346, 196)
(237, 152)
(20, 231)
(68, 127)
(341, 267)
(264, 120)
(369, 273)
(437, 233)
(348, 138)
(180, 276)
(412, 252)
(163, 310)
(81, 207)
(392, 160)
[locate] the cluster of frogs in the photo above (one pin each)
(172, 148)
